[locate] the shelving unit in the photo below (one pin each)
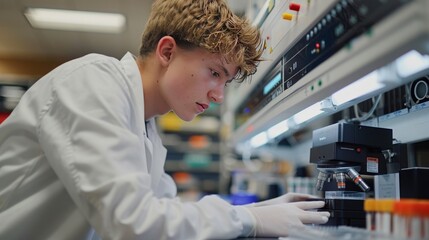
(193, 150)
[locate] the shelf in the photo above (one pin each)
(184, 147)
(193, 148)
(179, 165)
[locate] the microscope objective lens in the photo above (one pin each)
(341, 180)
(357, 179)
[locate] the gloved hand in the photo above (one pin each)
(285, 198)
(276, 220)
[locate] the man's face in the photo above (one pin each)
(193, 79)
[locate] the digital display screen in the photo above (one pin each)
(272, 83)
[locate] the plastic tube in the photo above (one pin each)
(409, 212)
(378, 218)
(399, 227)
(425, 214)
(386, 208)
(415, 221)
(369, 207)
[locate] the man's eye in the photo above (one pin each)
(214, 73)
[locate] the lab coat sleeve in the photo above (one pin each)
(248, 221)
(88, 133)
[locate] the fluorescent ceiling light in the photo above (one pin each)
(308, 113)
(259, 140)
(58, 19)
(278, 129)
(411, 63)
(359, 88)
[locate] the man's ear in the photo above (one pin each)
(165, 49)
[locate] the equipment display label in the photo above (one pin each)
(372, 164)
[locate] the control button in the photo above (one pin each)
(294, 6)
(324, 22)
(363, 10)
(339, 8)
(353, 19)
(287, 16)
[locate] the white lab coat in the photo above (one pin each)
(75, 155)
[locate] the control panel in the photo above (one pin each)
(313, 49)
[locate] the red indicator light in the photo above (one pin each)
(294, 6)
(317, 45)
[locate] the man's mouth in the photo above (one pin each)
(203, 106)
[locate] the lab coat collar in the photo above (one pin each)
(155, 151)
(133, 73)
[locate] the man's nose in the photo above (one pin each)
(217, 94)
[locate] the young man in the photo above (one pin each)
(80, 156)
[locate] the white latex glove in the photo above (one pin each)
(285, 198)
(276, 220)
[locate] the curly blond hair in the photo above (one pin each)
(209, 24)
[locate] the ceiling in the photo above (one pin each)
(18, 40)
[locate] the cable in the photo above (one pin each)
(368, 114)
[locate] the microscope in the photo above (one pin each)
(351, 154)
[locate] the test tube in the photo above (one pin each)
(399, 223)
(386, 208)
(415, 230)
(369, 206)
(378, 219)
(425, 213)
(408, 224)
